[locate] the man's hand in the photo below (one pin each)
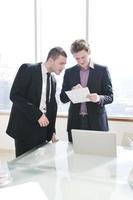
(94, 97)
(43, 121)
(54, 139)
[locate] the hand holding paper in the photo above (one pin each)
(78, 95)
(94, 97)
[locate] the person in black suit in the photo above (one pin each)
(89, 115)
(33, 114)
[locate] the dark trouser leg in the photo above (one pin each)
(84, 125)
(69, 136)
(22, 146)
(84, 122)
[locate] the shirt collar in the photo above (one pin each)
(44, 69)
(91, 65)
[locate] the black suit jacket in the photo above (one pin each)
(26, 95)
(99, 82)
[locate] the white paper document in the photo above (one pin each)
(78, 95)
(30, 190)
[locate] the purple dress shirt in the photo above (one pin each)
(84, 75)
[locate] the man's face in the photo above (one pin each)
(59, 64)
(82, 58)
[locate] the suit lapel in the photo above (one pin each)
(77, 75)
(92, 79)
(53, 89)
(38, 83)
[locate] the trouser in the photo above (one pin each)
(84, 122)
(22, 146)
(83, 125)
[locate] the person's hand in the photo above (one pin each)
(43, 121)
(94, 97)
(78, 86)
(54, 139)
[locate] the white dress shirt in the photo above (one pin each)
(42, 106)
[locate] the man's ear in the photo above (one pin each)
(51, 60)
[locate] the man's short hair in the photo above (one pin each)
(79, 45)
(55, 52)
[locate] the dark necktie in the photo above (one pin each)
(48, 89)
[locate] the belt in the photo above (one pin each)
(83, 114)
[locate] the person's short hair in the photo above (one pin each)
(55, 52)
(79, 45)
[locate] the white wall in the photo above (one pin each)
(7, 143)
(120, 128)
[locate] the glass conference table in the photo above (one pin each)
(64, 175)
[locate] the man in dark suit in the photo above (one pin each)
(89, 115)
(33, 113)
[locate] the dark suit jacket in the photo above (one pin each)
(26, 95)
(98, 82)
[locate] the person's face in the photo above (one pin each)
(58, 65)
(83, 58)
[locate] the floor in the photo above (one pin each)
(6, 155)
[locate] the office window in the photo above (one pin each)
(109, 32)
(111, 39)
(61, 22)
(30, 28)
(16, 42)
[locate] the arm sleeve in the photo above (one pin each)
(65, 87)
(107, 92)
(18, 94)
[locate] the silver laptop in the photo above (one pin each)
(99, 143)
